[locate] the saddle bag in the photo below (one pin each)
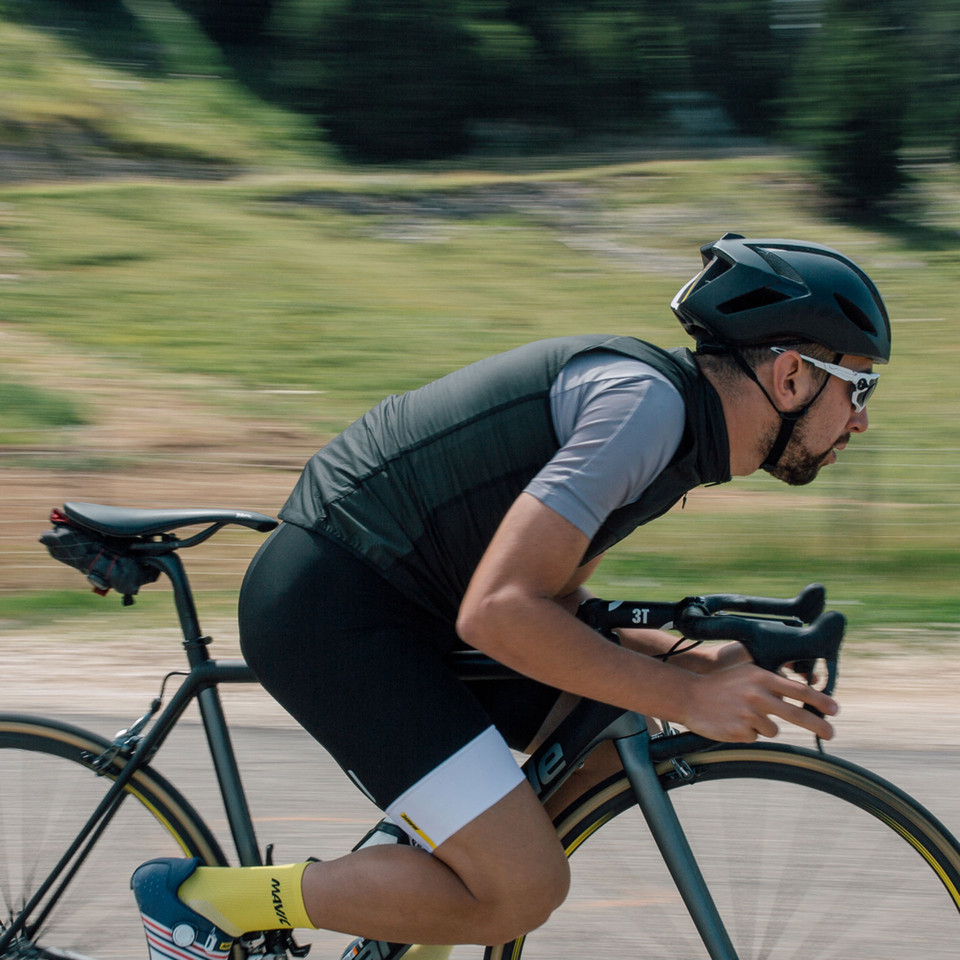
(105, 561)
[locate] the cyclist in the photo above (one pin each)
(471, 512)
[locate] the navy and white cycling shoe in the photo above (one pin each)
(174, 931)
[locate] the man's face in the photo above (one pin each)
(825, 429)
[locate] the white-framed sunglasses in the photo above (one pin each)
(863, 383)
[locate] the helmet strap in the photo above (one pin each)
(788, 420)
(788, 423)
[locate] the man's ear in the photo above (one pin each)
(790, 381)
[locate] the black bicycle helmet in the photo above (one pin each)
(758, 291)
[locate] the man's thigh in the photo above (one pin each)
(365, 671)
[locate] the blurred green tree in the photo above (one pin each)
(400, 79)
(933, 121)
(414, 79)
(850, 96)
(599, 64)
(244, 22)
(736, 54)
(388, 79)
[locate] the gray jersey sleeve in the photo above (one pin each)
(619, 423)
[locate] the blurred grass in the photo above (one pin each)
(298, 292)
(44, 606)
(28, 410)
(264, 286)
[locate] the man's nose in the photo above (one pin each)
(859, 421)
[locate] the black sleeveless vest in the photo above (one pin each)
(418, 485)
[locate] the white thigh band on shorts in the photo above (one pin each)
(459, 790)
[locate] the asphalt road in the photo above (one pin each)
(899, 719)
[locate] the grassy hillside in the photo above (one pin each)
(88, 84)
(189, 286)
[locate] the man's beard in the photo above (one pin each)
(797, 466)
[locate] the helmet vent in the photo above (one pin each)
(715, 268)
(781, 266)
(855, 314)
(761, 297)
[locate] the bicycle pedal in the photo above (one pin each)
(297, 949)
(274, 945)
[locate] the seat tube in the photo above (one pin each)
(228, 776)
(665, 827)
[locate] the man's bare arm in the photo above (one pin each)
(517, 609)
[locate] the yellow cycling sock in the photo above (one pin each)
(239, 899)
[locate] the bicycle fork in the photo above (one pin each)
(665, 827)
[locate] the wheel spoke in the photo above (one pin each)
(46, 795)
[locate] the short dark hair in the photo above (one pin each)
(724, 365)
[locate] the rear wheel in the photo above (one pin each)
(48, 789)
(805, 855)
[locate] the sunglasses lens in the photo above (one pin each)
(862, 391)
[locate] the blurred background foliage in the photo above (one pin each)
(859, 83)
(867, 87)
(420, 78)
(228, 228)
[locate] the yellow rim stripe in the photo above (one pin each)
(922, 850)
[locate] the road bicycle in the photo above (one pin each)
(693, 849)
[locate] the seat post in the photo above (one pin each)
(172, 566)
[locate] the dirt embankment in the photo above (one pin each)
(153, 441)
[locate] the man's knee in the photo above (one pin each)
(512, 863)
(527, 901)
(548, 894)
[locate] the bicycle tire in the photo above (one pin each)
(48, 789)
(806, 855)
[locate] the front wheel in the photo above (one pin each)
(805, 855)
(48, 789)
